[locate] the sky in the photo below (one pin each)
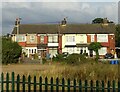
(46, 11)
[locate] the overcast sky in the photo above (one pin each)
(54, 12)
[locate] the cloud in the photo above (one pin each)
(49, 12)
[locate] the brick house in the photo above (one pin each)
(52, 39)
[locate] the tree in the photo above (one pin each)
(117, 39)
(11, 51)
(97, 20)
(101, 20)
(117, 36)
(95, 46)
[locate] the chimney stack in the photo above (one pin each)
(105, 21)
(64, 22)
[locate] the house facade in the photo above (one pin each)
(52, 39)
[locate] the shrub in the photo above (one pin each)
(59, 57)
(75, 59)
(11, 51)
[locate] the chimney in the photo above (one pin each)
(64, 22)
(17, 21)
(105, 21)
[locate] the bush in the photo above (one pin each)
(75, 59)
(11, 51)
(59, 57)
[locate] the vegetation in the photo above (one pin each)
(117, 39)
(117, 36)
(100, 20)
(11, 51)
(95, 46)
(90, 70)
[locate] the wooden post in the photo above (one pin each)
(57, 84)
(13, 85)
(68, 85)
(18, 83)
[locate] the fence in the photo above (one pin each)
(19, 83)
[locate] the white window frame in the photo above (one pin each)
(42, 38)
(102, 38)
(20, 38)
(32, 38)
(53, 39)
(70, 38)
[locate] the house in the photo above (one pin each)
(45, 39)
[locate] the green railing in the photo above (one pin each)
(29, 84)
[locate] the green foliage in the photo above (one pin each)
(75, 59)
(59, 57)
(11, 51)
(98, 20)
(95, 46)
(117, 36)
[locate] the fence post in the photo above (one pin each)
(108, 86)
(40, 84)
(34, 83)
(23, 83)
(13, 85)
(102, 86)
(68, 85)
(63, 84)
(46, 84)
(80, 86)
(97, 86)
(86, 85)
(91, 85)
(118, 85)
(7, 82)
(2, 84)
(74, 85)
(57, 84)
(18, 83)
(51, 81)
(29, 83)
(114, 86)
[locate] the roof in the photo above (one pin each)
(68, 29)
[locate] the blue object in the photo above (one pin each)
(114, 62)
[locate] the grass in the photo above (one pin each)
(85, 71)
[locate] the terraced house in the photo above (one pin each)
(53, 39)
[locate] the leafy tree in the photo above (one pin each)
(98, 20)
(117, 36)
(101, 20)
(95, 46)
(117, 39)
(11, 51)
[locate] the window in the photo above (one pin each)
(102, 38)
(32, 38)
(42, 39)
(92, 38)
(81, 38)
(53, 39)
(20, 38)
(70, 38)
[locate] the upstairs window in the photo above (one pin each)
(70, 38)
(32, 38)
(42, 39)
(102, 38)
(52, 39)
(20, 38)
